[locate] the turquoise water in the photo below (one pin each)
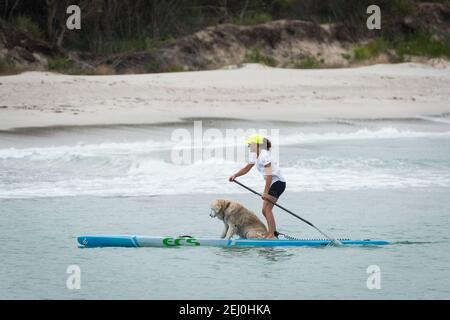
(357, 179)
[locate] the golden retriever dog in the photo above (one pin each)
(237, 219)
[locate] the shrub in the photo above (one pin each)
(60, 64)
(25, 24)
(421, 45)
(412, 45)
(175, 68)
(403, 7)
(309, 62)
(256, 18)
(370, 50)
(6, 66)
(255, 56)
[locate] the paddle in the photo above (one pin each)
(336, 242)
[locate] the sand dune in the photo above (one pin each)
(37, 99)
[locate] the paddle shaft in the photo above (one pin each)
(288, 211)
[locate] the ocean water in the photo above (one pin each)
(378, 179)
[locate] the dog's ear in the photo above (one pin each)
(234, 207)
(224, 206)
(227, 204)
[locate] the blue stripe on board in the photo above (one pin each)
(143, 241)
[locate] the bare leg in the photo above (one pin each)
(267, 212)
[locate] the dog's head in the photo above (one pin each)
(218, 207)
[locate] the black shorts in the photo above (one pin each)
(277, 188)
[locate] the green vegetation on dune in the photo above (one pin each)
(126, 45)
(409, 45)
(421, 45)
(370, 50)
(7, 67)
(309, 62)
(175, 68)
(256, 18)
(403, 6)
(255, 56)
(59, 64)
(64, 65)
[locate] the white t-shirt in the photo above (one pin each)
(264, 159)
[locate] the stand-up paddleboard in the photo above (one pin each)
(94, 241)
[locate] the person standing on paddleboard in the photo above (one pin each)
(275, 183)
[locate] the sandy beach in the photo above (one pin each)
(255, 92)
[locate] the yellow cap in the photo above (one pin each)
(255, 139)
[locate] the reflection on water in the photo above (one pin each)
(269, 253)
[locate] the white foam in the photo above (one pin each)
(137, 169)
(158, 177)
(144, 147)
(47, 153)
